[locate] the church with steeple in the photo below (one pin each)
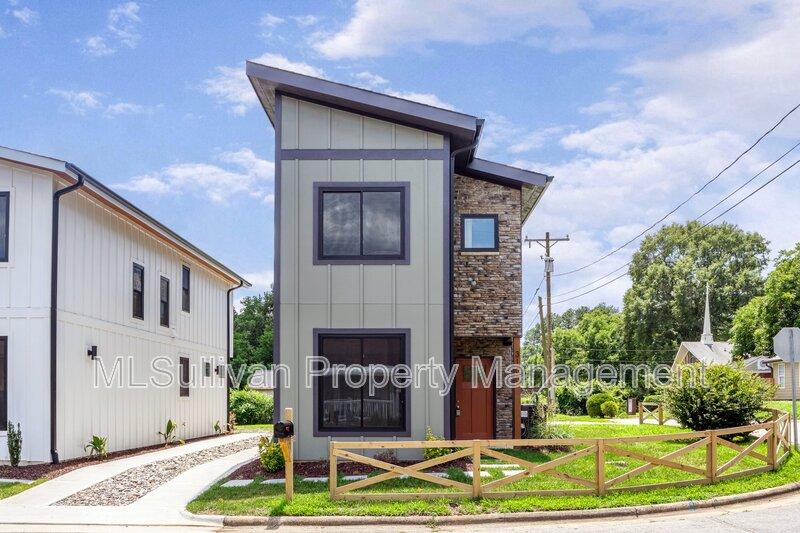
(707, 350)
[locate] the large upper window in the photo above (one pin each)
(3, 383)
(5, 211)
(186, 279)
(479, 233)
(164, 302)
(361, 223)
(138, 291)
(348, 408)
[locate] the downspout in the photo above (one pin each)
(54, 308)
(228, 351)
(451, 200)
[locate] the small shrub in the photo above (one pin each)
(653, 398)
(169, 432)
(727, 396)
(610, 409)
(387, 456)
(433, 453)
(231, 422)
(97, 446)
(595, 401)
(14, 437)
(251, 407)
(270, 455)
(217, 428)
(570, 400)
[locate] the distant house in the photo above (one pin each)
(263, 381)
(707, 350)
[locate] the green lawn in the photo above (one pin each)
(783, 405)
(254, 427)
(9, 489)
(312, 498)
(584, 418)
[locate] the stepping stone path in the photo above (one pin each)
(469, 473)
(237, 483)
(278, 481)
(507, 473)
(130, 485)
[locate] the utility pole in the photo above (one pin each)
(547, 243)
(545, 347)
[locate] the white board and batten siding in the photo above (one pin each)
(25, 306)
(358, 296)
(97, 251)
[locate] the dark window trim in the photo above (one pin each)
(186, 289)
(163, 312)
(7, 214)
(319, 333)
(4, 394)
(134, 314)
(475, 216)
(404, 187)
(184, 376)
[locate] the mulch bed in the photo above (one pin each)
(50, 471)
(254, 469)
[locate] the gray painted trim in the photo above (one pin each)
(317, 332)
(447, 276)
(361, 100)
(276, 262)
(319, 154)
(504, 174)
(321, 186)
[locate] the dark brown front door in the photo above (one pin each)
(474, 405)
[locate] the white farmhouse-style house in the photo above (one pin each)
(110, 323)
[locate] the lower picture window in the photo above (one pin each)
(350, 407)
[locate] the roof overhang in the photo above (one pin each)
(267, 80)
(117, 203)
(531, 184)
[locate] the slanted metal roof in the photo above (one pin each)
(114, 200)
(266, 80)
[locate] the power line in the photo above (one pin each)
(698, 191)
(728, 196)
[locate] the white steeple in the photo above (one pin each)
(707, 337)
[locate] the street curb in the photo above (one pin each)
(538, 516)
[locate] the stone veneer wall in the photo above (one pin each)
(487, 289)
(504, 397)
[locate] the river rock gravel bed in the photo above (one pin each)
(130, 485)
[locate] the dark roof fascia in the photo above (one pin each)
(460, 126)
(504, 174)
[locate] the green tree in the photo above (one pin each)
(253, 334)
(664, 305)
(601, 330)
(756, 323)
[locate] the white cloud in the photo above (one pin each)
(261, 280)
(376, 82)
(306, 20)
(123, 21)
(269, 21)
(25, 15)
(499, 132)
(122, 28)
(79, 102)
(2, 32)
(368, 80)
(378, 28)
(244, 174)
(231, 87)
(127, 108)
(97, 46)
(423, 98)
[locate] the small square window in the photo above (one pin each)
(479, 233)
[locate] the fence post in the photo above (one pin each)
(660, 414)
(641, 413)
(772, 450)
(333, 471)
(600, 459)
(711, 457)
(476, 469)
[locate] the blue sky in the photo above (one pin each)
(630, 104)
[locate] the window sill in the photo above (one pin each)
(479, 253)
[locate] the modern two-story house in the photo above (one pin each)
(394, 245)
(110, 323)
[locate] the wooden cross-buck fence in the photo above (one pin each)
(652, 411)
(774, 433)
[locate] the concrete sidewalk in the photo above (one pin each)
(164, 506)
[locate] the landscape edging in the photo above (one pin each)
(539, 516)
